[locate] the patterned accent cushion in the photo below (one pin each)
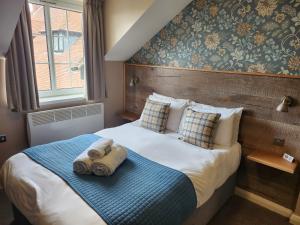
(155, 115)
(198, 128)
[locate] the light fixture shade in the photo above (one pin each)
(282, 107)
(286, 102)
(134, 81)
(3, 99)
(131, 83)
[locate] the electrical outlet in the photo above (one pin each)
(2, 138)
(278, 142)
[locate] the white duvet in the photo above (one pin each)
(46, 199)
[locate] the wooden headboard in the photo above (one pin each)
(261, 123)
(259, 95)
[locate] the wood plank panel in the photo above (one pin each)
(259, 134)
(260, 124)
(259, 95)
(272, 184)
(217, 71)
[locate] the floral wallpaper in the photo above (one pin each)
(230, 35)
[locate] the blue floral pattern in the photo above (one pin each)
(230, 35)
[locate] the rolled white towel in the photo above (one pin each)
(100, 148)
(109, 163)
(82, 164)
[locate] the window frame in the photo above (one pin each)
(69, 5)
(73, 5)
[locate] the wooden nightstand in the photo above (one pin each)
(129, 116)
(272, 160)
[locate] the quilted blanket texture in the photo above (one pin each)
(140, 192)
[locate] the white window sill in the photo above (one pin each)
(45, 101)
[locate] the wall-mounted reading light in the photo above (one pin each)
(134, 81)
(286, 102)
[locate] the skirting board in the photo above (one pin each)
(264, 202)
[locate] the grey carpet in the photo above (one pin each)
(238, 211)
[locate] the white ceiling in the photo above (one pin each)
(153, 20)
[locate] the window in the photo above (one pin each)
(58, 51)
(58, 42)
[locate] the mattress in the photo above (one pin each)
(44, 198)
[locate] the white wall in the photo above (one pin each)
(11, 124)
(125, 37)
(119, 16)
(115, 88)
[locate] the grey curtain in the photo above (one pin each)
(94, 49)
(21, 85)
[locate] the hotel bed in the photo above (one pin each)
(45, 199)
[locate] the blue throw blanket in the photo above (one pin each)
(141, 192)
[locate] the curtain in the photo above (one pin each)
(94, 49)
(21, 85)
(3, 99)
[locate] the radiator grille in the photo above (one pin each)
(78, 112)
(57, 115)
(93, 110)
(43, 118)
(63, 114)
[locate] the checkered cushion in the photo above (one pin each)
(198, 128)
(155, 116)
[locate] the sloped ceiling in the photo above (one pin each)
(119, 16)
(9, 15)
(153, 20)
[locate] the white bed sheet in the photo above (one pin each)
(45, 199)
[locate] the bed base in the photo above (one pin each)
(206, 212)
(200, 216)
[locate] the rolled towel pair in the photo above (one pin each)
(100, 148)
(82, 164)
(107, 165)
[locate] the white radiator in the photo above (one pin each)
(58, 124)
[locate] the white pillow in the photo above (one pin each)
(237, 120)
(228, 126)
(177, 108)
(167, 98)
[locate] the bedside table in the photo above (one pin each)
(269, 176)
(129, 116)
(272, 160)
